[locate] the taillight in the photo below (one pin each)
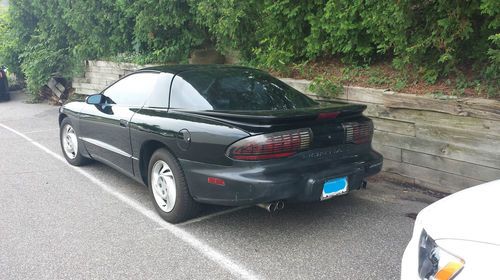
(358, 133)
(273, 145)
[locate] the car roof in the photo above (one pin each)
(178, 68)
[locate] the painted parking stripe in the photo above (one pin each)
(223, 261)
(213, 215)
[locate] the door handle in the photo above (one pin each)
(123, 123)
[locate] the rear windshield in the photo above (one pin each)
(234, 89)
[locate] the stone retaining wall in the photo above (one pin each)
(442, 144)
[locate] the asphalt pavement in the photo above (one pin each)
(61, 222)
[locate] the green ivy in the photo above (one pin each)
(438, 38)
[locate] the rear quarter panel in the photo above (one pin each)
(208, 138)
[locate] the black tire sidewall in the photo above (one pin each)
(185, 207)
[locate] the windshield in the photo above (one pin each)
(236, 89)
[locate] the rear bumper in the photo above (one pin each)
(294, 179)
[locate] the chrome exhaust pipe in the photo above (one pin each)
(280, 205)
(272, 207)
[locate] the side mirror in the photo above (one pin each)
(94, 99)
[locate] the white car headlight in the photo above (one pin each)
(434, 263)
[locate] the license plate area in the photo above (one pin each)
(334, 187)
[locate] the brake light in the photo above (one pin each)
(329, 115)
(270, 146)
(358, 132)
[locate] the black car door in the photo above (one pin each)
(104, 128)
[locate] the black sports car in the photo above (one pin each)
(4, 85)
(222, 135)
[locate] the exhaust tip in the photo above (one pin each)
(272, 207)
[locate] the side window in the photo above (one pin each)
(159, 96)
(185, 96)
(132, 90)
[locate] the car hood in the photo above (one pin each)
(469, 215)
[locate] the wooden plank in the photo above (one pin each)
(303, 86)
(446, 182)
(365, 95)
(407, 101)
(300, 85)
(84, 91)
(483, 106)
(396, 178)
(461, 168)
(399, 127)
(101, 75)
(467, 138)
(389, 152)
(115, 65)
(473, 107)
(460, 107)
(434, 118)
(105, 71)
(432, 186)
(443, 149)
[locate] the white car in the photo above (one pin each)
(457, 237)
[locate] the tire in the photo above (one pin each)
(68, 139)
(168, 188)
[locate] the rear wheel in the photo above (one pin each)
(168, 188)
(70, 144)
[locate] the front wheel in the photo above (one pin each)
(168, 188)
(70, 144)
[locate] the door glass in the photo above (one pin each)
(132, 90)
(160, 95)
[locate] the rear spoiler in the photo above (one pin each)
(280, 117)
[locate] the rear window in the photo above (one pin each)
(234, 89)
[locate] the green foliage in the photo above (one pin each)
(230, 24)
(101, 27)
(357, 30)
(400, 84)
(435, 39)
(325, 87)
(9, 55)
(166, 30)
(53, 37)
(378, 78)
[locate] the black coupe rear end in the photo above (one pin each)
(222, 135)
(4, 85)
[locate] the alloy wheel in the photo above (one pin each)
(163, 185)
(69, 141)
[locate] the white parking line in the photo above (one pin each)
(42, 130)
(223, 261)
(213, 215)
